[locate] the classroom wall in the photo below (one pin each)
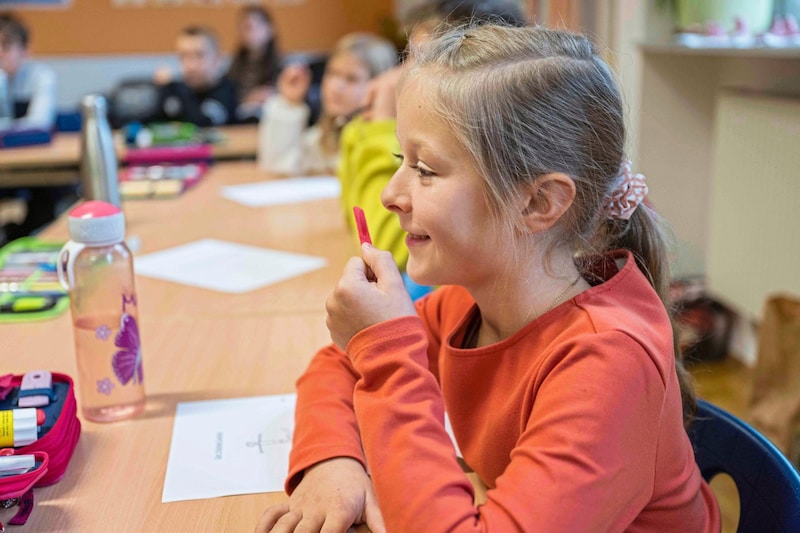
(81, 75)
(101, 27)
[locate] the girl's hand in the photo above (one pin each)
(294, 82)
(333, 496)
(370, 290)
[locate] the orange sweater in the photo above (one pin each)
(574, 423)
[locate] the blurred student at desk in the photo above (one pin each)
(256, 61)
(203, 96)
(27, 102)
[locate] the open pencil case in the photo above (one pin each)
(29, 287)
(58, 429)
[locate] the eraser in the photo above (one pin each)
(361, 225)
(35, 380)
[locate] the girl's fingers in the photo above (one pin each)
(336, 522)
(382, 264)
(270, 517)
(373, 516)
(287, 523)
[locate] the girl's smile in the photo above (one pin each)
(416, 240)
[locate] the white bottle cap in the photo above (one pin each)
(25, 426)
(96, 223)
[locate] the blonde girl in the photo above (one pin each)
(548, 345)
(287, 145)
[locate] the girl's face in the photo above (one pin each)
(438, 196)
(343, 85)
(254, 31)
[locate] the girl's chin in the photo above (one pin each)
(419, 275)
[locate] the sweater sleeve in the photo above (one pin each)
(42, 107)
(325, 424)
(280, 144)
(366, 165)
(583, 462)
(325, 420)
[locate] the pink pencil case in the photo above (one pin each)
(169, 154)
(53, 449)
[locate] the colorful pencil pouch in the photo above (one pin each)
(29, 287)
(58, 430)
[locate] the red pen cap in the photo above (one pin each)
(361, 225)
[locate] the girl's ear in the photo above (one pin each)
(548, 198)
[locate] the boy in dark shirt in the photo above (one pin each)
(203, 97)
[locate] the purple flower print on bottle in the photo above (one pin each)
(102, 333)
(104, 386)
(127, 362)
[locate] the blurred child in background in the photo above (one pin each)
(203, 96)
(31, 86)
(256, 62)
(286, 144)
(28, 102)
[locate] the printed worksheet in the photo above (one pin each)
(233, 446)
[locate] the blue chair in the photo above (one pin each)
(768, 484)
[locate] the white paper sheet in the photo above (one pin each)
(226, 447)
(284, 191)
(225, 266)
(234, 446)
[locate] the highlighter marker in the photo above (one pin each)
(361, 225)
(17, 427)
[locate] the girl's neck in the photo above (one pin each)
(512, 301)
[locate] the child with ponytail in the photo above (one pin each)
(549, 344)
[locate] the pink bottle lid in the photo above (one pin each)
(96, 223)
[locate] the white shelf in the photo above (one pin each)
(747, 53)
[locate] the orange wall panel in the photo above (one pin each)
(89, 27)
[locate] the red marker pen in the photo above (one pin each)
(361, 225)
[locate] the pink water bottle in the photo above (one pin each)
(96, 267)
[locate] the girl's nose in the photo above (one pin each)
(395, 196)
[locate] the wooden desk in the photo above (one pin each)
(58, 163)
(197, 345)
(315, 228)
(116, 476)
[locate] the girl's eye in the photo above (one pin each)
(423, 173)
